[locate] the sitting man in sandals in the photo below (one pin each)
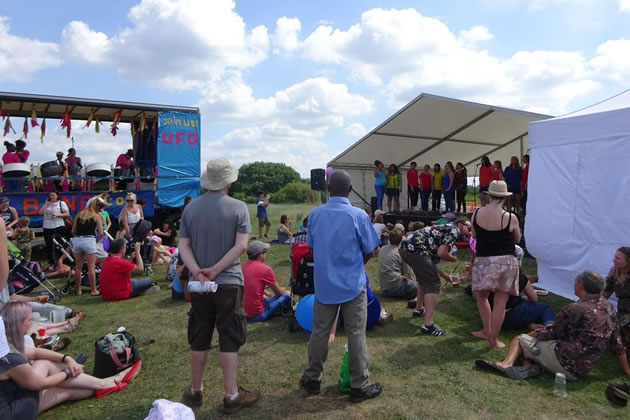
(573, 344)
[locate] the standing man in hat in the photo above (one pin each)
(216, 260)
(343, 239)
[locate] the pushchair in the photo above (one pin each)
(302, 279)
(25, 276)
(61, 246)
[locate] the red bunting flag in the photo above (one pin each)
(154, 129)
(8, 127)
(34, 118)
(66, 123)
(43, 129)
(2, 114)
(116, 120)
(25, 128)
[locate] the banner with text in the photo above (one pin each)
(29, 204)
(178, 157)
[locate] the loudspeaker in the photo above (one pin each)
(374, 204)
(318, 179)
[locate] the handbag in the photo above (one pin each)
(114, 352)
(67, 220)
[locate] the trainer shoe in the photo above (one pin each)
(151, 290)
(418, 313)
(433, 330)
(411, 304)
(244, 399)
(311, 387)
(360, 395)
(192, 398)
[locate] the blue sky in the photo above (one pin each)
(299, 81)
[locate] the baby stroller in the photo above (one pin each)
(25, 276)
(302, 279)
(61, 246)
(140, 233)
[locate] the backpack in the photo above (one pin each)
(114, 352)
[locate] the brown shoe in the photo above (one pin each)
(245, 399)
(192, 399)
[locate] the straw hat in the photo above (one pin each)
(218, 175)
(498, 189)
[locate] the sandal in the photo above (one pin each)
(133, 372)
(99, 393)
(95, 294)
(523, 372)
(489, 366)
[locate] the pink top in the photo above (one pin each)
(124, 161)
(72, 160)
(10, 157)
(23, 155)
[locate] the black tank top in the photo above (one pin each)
(6, 215)
(86, 227)
(491, 243)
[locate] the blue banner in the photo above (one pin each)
(29, 204)
(178, 157)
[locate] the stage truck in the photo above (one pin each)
(165, 139)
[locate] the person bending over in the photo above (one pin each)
(393, 273)
(260, 306)
(32, 380)
(572, 345)
(116, 283)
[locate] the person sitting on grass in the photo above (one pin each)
(284, 230)
(572, 345)
(116, 283)
(394, 274)
(260, 305)
(167, 234)
(300, 235)
(32, 380)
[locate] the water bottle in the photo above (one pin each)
(205, 287)
(344, 374)
(560, 387)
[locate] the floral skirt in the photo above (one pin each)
(496, 274)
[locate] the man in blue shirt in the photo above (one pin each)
(343, 239)
(262, 202)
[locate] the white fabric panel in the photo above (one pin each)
(498, 127)
(387, 149)
(578, 196)
(620, 101)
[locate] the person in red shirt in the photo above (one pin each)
(116, 283)
(486, 172)
(498, 171)
(524, 182)
(22, 153)
(125, 160)
(413, 186)
(260, 305)
(426, 181)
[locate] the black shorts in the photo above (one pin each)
(392, 192)
(223, 309)
(425, 271)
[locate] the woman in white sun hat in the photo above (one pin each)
(495, 268)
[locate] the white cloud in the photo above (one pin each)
(355, 130)
(612, 60)
(624, 6)
(21, 57)
(403, 53)
(177, 44)
(285, 37)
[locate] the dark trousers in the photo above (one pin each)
(461, 200)
(424, 199)
(436, 198)
(48, 234)
(413, 195)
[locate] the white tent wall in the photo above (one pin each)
(578, 193)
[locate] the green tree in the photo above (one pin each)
(295, 192)
(263, 176)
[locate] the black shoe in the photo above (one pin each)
(360, 395)
(433, 330)
(311, 387)
(418, 313)
(411, 304)
(266, 236)
(192, 399)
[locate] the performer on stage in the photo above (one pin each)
(21, 152)
(448, 185)
(498, 171)
(524, 182)
(513, 175)
(394, 187)
(73, 162)
(461, 186)
(486, 172)
(125, 160)
(426, 184)
(437, 187)
(380, 182)
(413, 186)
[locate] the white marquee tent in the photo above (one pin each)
(434, 129)
(579, 192)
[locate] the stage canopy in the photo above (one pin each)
(577, 208)
(433, 129)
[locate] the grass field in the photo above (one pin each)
(423, 377)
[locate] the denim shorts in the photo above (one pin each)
(84, 245)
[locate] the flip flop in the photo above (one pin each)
(99, 393)
(489, 366)
(133, 372)
(95, 294)
(519, 373)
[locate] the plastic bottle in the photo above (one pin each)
(344, 374)
(205, 287)
(560, 386)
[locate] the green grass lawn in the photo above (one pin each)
(423, 377)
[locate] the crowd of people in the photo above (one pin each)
(450, 183)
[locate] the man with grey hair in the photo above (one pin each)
(573, 344)
(343, 239)
(214, 233)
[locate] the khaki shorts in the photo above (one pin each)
(547, 357)
(426, 272)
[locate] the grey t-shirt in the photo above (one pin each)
(391, 267)
(211, 223)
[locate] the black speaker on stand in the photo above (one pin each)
(318, 179)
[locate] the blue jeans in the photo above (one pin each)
(405, 288)
(380, 192)
(528, 312)
(140, 286)
(424, 199)
(271, 306)
(449, 200)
